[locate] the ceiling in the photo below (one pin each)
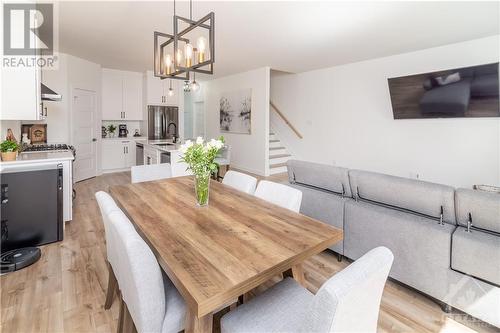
(287, 36)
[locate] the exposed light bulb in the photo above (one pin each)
(201, 46)
(188, 51)
(178, 57)
(195, 86)
(168, 64)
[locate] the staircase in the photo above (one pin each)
(278, 155)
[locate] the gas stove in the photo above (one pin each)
(58, 147)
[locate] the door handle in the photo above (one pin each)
(94, 139)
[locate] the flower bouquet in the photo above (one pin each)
(200, 156)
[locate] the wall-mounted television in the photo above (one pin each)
(453, 93)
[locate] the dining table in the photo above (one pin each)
(216, 253)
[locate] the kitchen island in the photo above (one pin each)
(32, 161)
(163, 151)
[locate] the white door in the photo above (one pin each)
(84, 112)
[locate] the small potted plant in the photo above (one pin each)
(9, 150)
(111, 130)
(200, 157)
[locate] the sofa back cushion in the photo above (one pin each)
(406, 194)
(484, 208)
(327, 177)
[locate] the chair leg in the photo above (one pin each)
(112, 288)
(120, 317)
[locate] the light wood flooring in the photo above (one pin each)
(65, 290)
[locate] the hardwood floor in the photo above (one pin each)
(65, 290)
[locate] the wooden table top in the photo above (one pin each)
(214, 254)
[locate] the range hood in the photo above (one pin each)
(49, 94)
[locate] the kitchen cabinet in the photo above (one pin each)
(157, 90)
(151, 155)
(20, 89)
(118, 154)
(121, 95)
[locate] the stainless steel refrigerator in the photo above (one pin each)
(163, 122)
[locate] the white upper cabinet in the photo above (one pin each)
(20, 89)
(121, 95)
(157, 90)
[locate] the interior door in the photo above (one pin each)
(84, 114)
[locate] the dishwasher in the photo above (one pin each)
(139, 154)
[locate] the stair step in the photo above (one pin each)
(276, 148)
(271, 133)
(279, 156)
(277, 165)
(272, 141)
(275, 171)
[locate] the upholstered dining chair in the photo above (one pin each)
(106, 206)
(223, 159)
(279, 194)
(240, 181)
(148, 297)
(348, 302)
(145, 173)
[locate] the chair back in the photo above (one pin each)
(224, 156)
(240, 181)
(145, 173)
(279, 194)
(350, 300)
(139, 276)
(106, 206)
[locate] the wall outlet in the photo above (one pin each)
(414, 175)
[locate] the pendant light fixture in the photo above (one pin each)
(170, 90)
(195, 85)
(191, 48)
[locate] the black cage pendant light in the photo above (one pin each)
(190, 49)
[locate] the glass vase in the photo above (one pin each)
(201, 187)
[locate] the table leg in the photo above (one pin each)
(298, 274)
(198, 325)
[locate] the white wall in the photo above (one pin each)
(248, 152)
(345, 116)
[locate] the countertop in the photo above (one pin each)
(131, 137)
(39, 157)
(170, 147)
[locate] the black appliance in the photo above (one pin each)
(122, 131)
(163, 122)
(31, 206)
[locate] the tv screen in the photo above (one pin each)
(460, 92)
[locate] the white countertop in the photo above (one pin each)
(153, 144)
(39, 157)
(127, 138)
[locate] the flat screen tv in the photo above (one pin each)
(453, 93)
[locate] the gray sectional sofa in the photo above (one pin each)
(446, 241)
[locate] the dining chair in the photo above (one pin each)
(148, 297)
(279, 194)
(223, 159)
(145, 173)
(347, 302)
(106, 206)
(240, 181)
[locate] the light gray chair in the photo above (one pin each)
(240, 181)
(279, 194)
(223, 159)
(145, 173)
(348, 302)
(148, 296)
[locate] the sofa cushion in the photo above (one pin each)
(325, 207)
(484, 208)
(407, 194)
(476, 253)
(323, 176)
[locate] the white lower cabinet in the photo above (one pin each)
(118, 154)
